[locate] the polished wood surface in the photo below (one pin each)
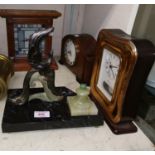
(127, 52)
(29, 13)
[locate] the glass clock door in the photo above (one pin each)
(22, 33)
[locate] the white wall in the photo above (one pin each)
(73, 18)
(58, 24)
(101, 16)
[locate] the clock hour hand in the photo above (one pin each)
(69, 53)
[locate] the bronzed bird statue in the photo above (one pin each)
(41, 71)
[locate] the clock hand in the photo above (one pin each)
(112, 72)
(69, 52)
(112, 66)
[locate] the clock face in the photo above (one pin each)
(110, 65)
(70, 52)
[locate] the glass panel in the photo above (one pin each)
(22, 33)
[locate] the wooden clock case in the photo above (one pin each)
(130, 83)
(85, 56)
(27, 17)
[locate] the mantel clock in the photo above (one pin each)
(121, 68)
(78, 53)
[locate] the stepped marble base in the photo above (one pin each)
(39, 115)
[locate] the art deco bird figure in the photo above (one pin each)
(41, 71)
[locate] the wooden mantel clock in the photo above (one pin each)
(78, 54)
(121, 68)
(20, 25)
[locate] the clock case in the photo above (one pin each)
(138, 67)
(85, 56)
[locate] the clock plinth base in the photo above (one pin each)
(122, 127)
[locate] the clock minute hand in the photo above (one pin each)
(112, 66)
(112, 72)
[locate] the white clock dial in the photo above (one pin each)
(108, 73)
(70, 52)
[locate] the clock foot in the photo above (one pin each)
(122, 127)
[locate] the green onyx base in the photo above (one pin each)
(78, 109)
(81, 104)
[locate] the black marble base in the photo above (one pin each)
(21, 118)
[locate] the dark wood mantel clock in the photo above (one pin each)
(78, 54)
(20, 25)
(121, 68)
